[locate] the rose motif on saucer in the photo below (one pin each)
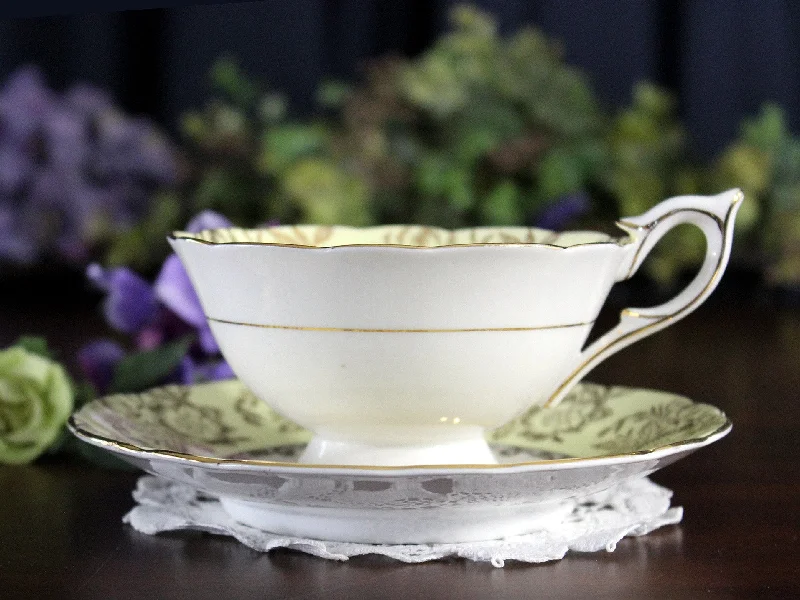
(656, 426)
(586, 404)
(168, 418)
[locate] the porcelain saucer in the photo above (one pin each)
(223, 441)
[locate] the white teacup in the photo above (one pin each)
(403, 344)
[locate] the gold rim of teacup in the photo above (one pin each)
(201, 238)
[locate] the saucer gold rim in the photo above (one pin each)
(127, 448)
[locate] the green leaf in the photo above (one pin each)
(475, 143)
(272, 108)
(502, 205)
(483, 126)
(327, 193)
(144, 246)
(654, 100)
(768, 130)
(84, 393)
(141, 370)
(284, 145)
(459, 188)
(193, 126)
(561, 171)
(35, 345)
(333, 93)
(227, 77)
(432, 174)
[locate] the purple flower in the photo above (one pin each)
(13, 243)
(151, 337)
(54, 216)
(208, 219)
(87, 99)
(221, 370)
(129, 148)
(15, 168)
(165, 311)
(175, 290)
(191, 371)
(130, 304)
(563, 211)
(73, 168)
(24, 102)
(268, 224)
(98, 360)
(65, 136)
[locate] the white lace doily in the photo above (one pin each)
(596, 523)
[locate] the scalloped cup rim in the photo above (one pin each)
(293, 236)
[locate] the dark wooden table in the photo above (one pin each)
(61, 534)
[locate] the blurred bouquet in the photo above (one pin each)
(74, 170)
(765, 163)
(220, 170)
(481, 129)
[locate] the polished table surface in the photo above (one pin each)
(61, 533)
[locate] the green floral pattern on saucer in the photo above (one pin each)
(225, 420)
(595, 420)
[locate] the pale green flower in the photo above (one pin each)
(328, 194)
(36, 399)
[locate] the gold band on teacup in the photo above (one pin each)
(373, 330)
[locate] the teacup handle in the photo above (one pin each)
(714, 215)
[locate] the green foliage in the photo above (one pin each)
(326, 192)
(33, 344)
(144, 369)
(143, 246)
(288, 143)
(229, 79)
(479, 129)
(225, 166)
(647, 148)
(766, 163)
(648, 164)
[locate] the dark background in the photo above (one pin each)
(723, 58)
